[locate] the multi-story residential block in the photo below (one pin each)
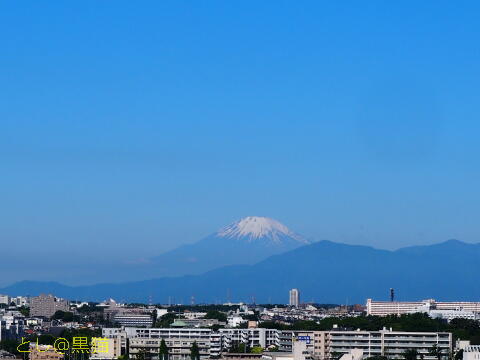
(178, 341)
(391, 344)
(12, 325)
(314, 341)
(4, 299)
(133, 319)
(319, 344)
(20, 300)
(128, 316)
(47, 305)
(471, 352)
(384, 308)
(264, 338)
(193, 314)
(199, 323)
(109, 351)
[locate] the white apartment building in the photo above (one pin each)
(385, 342)
(193, 314)
(20, 300)
(471, 352)
(133, 319)
(453, 314)
(235, 320)
(384, 308)
(178, 341)
(4, 299)
(323, 344)
(251, 337)
(320, 344)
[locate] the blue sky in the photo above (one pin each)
(157, 122)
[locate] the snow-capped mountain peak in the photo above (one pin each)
(256, 227)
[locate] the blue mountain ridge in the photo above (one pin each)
(325, 272)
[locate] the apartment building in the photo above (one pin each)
(324, 344)
(314, 341)
(471, 352)
(12, 325)
(178, 341)
(20, 300)
(320, 344)
(384, 308)
(47, 305)
(251, 337)
(384, 342)
(133, 319)
(112, 350)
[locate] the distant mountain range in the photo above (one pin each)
(246, 241)
(324, 272)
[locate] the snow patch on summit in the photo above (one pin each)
(256, 227)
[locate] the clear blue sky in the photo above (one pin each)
(153, 123)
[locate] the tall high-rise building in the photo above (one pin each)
(294, 297)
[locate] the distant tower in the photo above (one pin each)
(392, 294)
(294, 297)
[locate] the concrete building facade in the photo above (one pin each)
(384, 308)
(294, 297)
(47, 305)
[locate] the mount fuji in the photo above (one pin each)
(244, 242)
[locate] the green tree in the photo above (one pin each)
(240, 348)
(25, 311)
(66, 316)
(194, 351)
(142, 354)
(436, 351)
(46, 339)
(163, 351)
(410, 354)
(166, 320)
(9, 346)
(214, 314)
(256, 350)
